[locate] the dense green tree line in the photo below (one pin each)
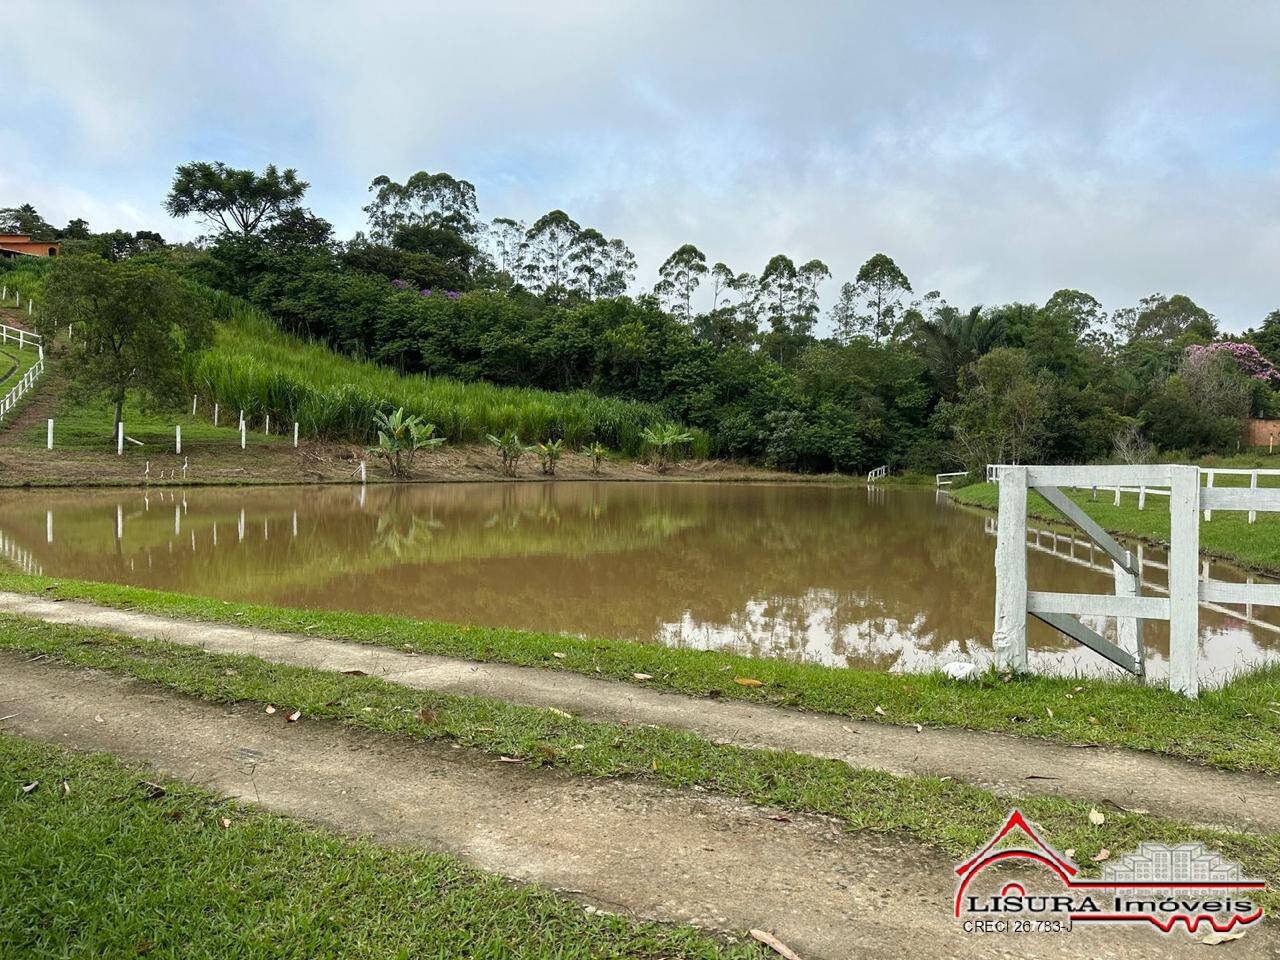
(904, 379)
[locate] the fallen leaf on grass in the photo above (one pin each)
(774, 944)
(1097, 817)
(427, 715)
(560, 713)
(1069, 853)
(271, 708)
(1215, 938)
(880, 711)
(642, 676)
(27, 788)
(1103, 854)
(66, 789)
(293, 717)
(559, 656)
(154, 791)
(1049, 711)
(747, 682)
(224, 823)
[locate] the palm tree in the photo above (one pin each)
(952, 340)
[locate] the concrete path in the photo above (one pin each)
(626, 846)
(1010, 766)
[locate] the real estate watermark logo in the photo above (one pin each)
(1162, 885)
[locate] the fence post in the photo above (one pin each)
(266, 425)
(194, 398)
(1142, 497)
(1184, 580)
(177, 439)
(49, 441)
(120, 438)
(241, 434)
(1208, 514)
(1253, 485)
(215, 414)
(295, 433)
(1010, 638)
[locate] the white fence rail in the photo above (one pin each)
(879, 473)
(25, 338)
(947, 479)
(1128, 605)
(22, 387)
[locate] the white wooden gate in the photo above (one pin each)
(1128, 605)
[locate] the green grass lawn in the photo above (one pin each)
(13, 364)
(81, 424)
(953, 816)
(1235, 727)
(1228, 534)
(97, 864)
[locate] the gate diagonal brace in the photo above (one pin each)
(1079, 632)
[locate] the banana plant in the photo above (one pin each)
(400, 437)
(510, 450)
(665, 441)
(597, 452)
(549, 456)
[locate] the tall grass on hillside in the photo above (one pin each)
(255, 367)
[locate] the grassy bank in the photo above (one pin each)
(99, 864)
(1234, 727)
(947, 814)
(256, 367)
(1228, 535)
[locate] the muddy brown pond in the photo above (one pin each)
(892, 579)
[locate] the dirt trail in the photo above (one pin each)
(626, 846)
(1008, 765)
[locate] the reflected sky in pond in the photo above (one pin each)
(892, 579)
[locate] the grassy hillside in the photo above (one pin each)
(255, 367)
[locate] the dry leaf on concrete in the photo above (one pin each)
(774, 944)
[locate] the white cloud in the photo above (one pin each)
(996, 151)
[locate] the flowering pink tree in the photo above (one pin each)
(1246, 357)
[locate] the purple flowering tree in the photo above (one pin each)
(1246, 358)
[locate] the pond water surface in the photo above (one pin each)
(893, 579)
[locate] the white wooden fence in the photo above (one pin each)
(24, 338)
(947, 479)
(22, 387)
(1128, 604)
(879, 473)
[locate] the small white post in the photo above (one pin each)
(1184, 582)
(49, 439)
(177, 438)
(266, 425)
(1142, 497)
(120, 438)
(295, 433)
(194, 398)
(184, 468)
(241, 434)
(68, 331)
(215, 414)
(1208, 514)
(362, 472)
(1117, 502)
(242, 419)
(1253, 485)
(1010, 637)
(28, 308)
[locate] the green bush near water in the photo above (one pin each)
(254, 366)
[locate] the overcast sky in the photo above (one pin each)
(997, 151)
